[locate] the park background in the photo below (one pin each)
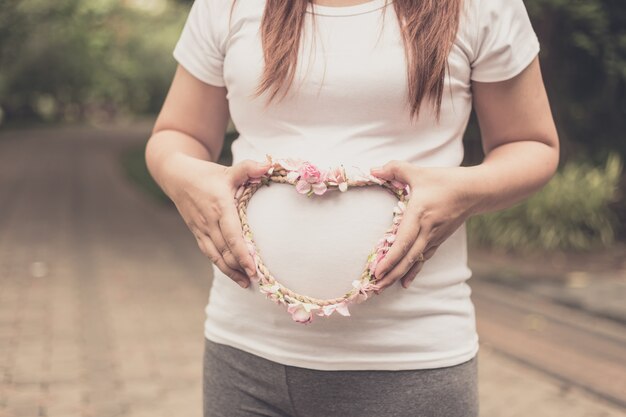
(80, 85)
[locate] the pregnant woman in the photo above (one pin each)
(386, 86)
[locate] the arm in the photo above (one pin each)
(191, 123)
(522, 154)
(181, 156)
(519, 139)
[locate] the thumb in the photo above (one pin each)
(392, 170)
(248, 168)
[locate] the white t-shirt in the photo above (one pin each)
(348, 106)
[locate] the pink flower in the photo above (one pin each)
(400, 207)
(363, 290)
(292, 176)
(341, 308)
(304, 187)
(377, 258)
(311, 180)
(398, 212)
(272, 292)
(401, 187)
(310, 173)
(302, 312)
(268, 289)
(337, 176)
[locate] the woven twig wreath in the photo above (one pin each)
(309, 180)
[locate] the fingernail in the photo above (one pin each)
(250, 272)
(243, 284)
(376, 168)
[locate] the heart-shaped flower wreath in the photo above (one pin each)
(309, 180)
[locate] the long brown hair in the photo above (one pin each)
(428, 30)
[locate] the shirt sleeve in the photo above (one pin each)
(198, 48)
(505, 42)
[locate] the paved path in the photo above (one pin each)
(593, 281)
(580, 350)
(102, 295)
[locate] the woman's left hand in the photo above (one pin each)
(439, 203)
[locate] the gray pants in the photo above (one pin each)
(239, 384)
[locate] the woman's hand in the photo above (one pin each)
(203, 193)
(521, 154)
(438, 205)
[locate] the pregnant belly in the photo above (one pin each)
(318, 245)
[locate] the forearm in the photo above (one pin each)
(167, 147)
(509, 174)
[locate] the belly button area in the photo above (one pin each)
(318, 245)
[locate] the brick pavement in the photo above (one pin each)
(102, 295)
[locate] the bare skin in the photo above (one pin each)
(518, 136)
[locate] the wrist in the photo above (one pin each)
(180, 170)
(475, 190)
(173, 159)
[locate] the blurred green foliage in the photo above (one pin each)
(583, 58)
(134, 165)
(571, 212)
(69, 60)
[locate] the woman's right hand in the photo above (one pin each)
(203, 193)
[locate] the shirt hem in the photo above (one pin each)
(347, 365)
